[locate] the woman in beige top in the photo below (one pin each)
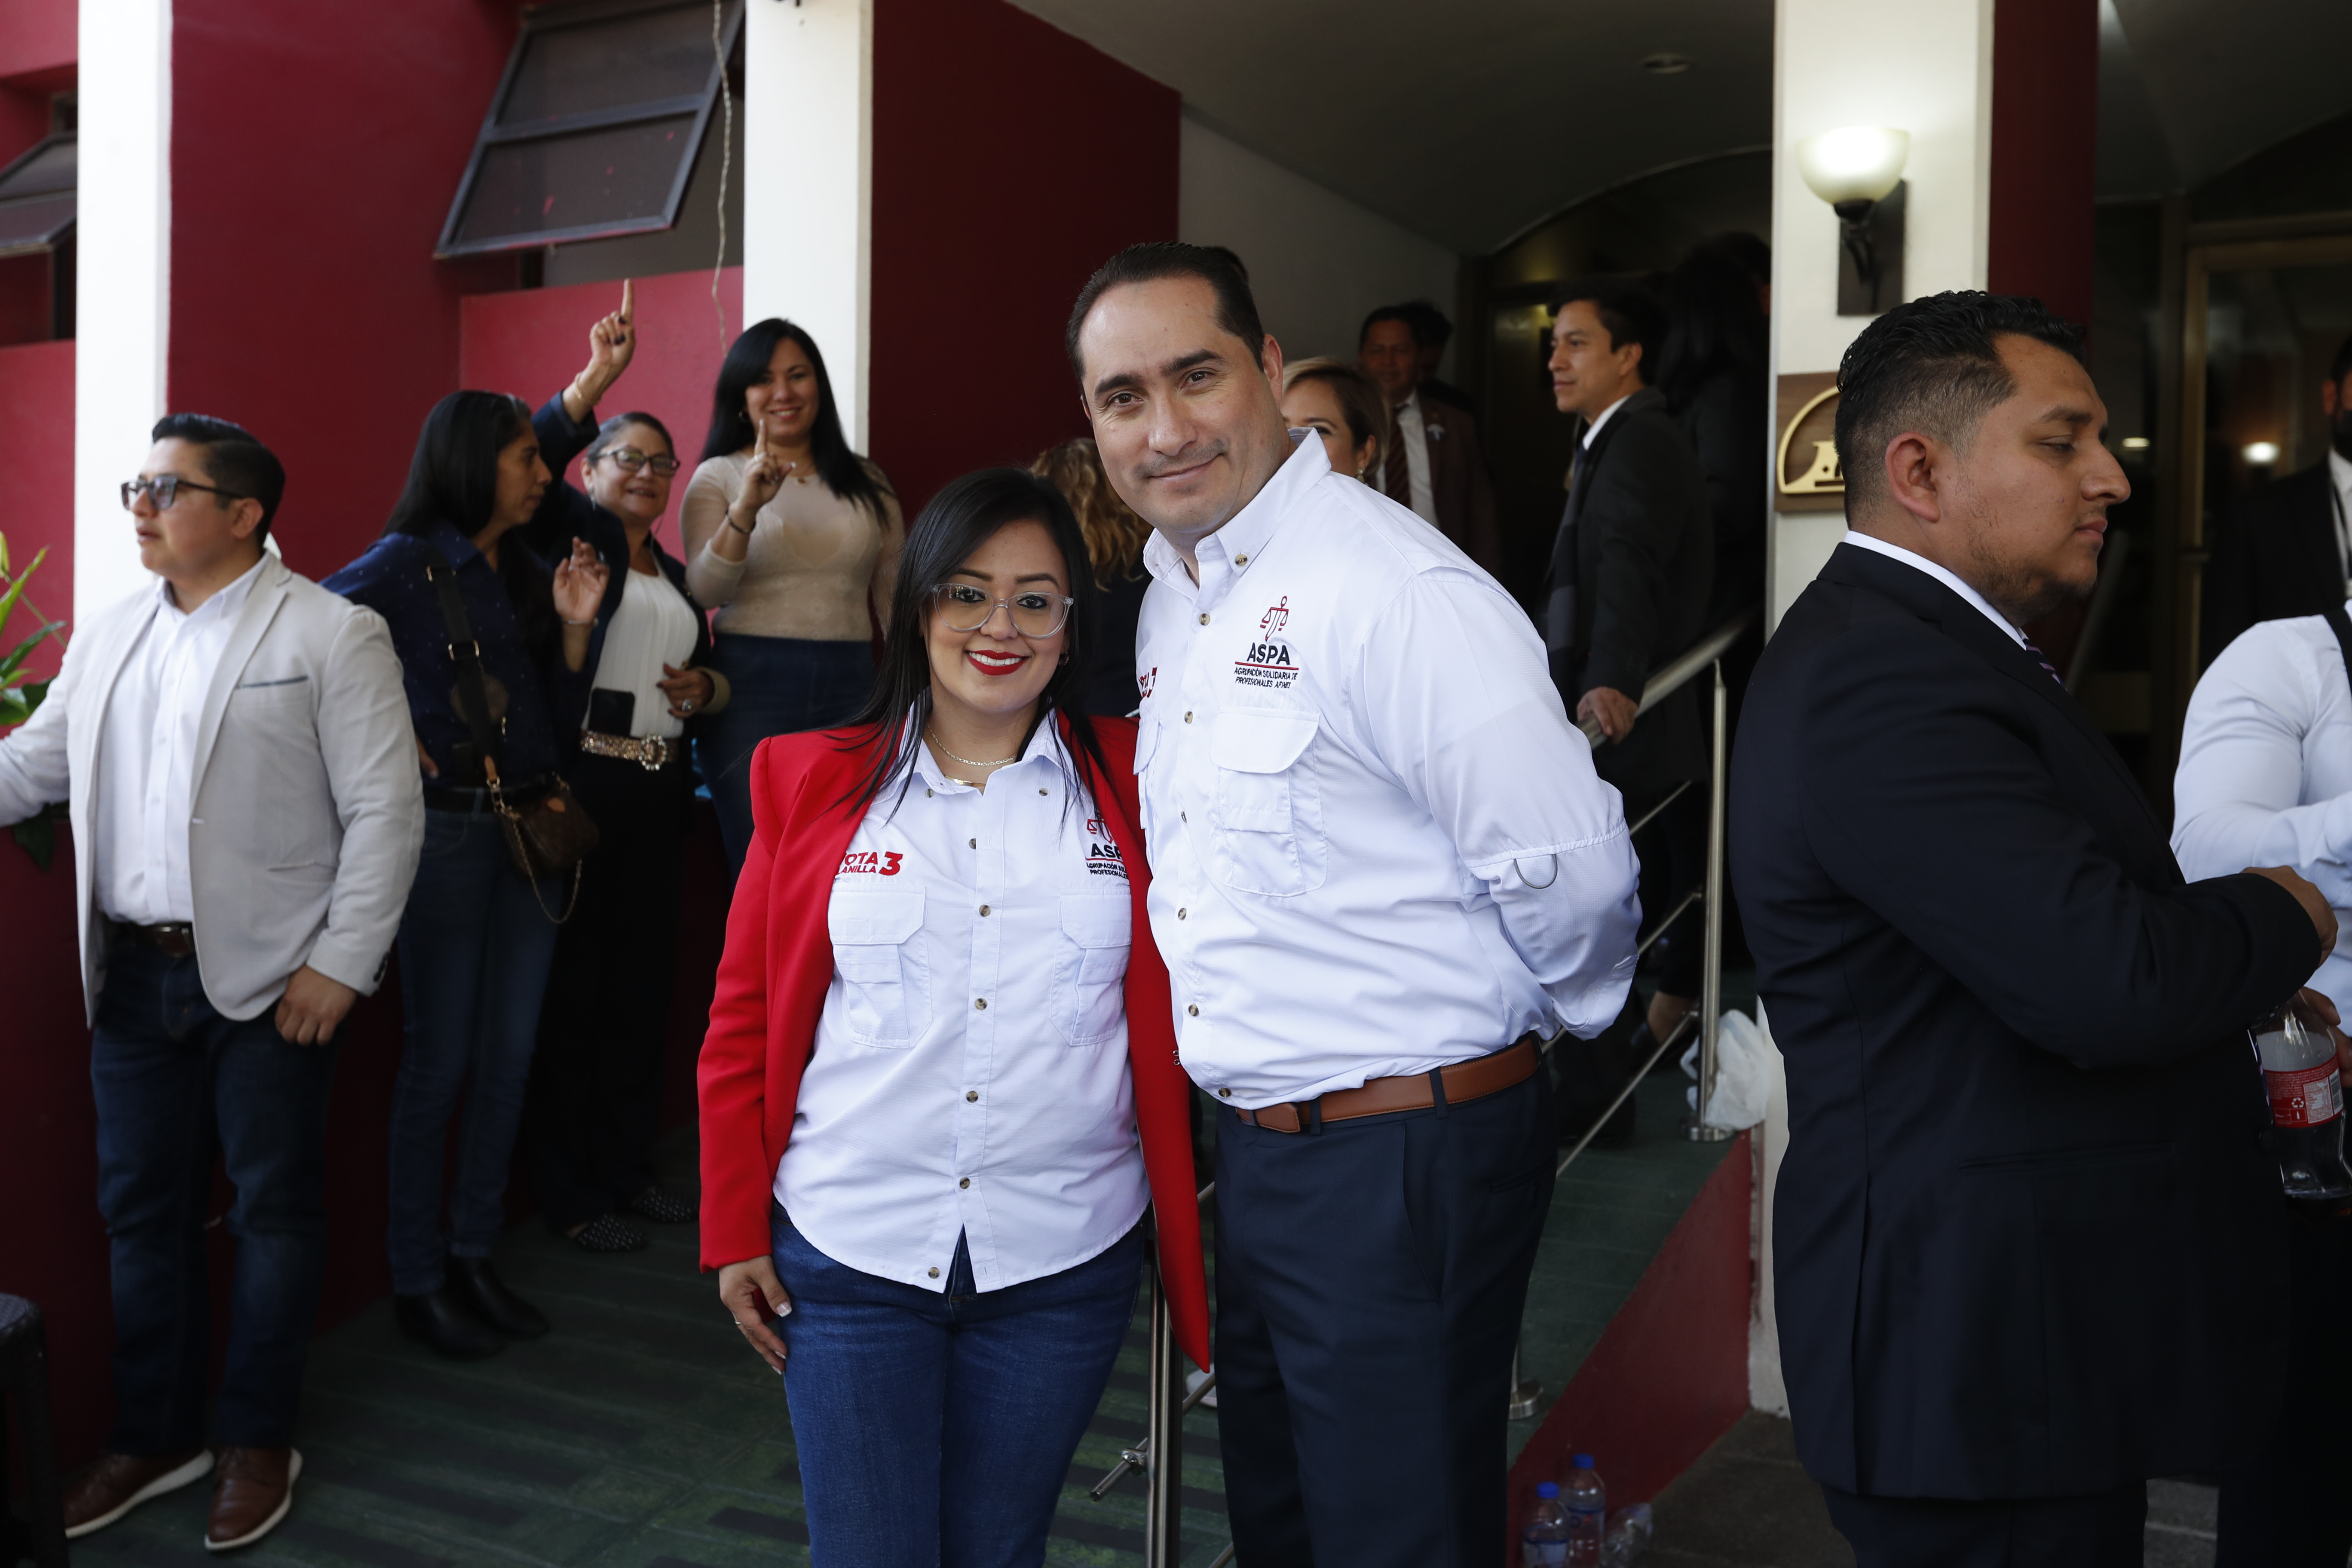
(792, 540)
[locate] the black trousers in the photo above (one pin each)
(1370, 1275)
(595, 1082)
(2291, 1505)
(2102, 1530)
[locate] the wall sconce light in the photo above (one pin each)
(1858, 170)
(2260, 454)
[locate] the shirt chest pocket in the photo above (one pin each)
(878, 953)
(1268, 814)
(1089, 999)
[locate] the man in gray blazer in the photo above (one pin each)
(235, 749)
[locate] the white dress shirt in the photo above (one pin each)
(2266, 775)
(654, 626)
(1919, 562)
(1377, 844)
(1412, 435)
(2339, 477)
(971, 1073)
(146, 756)
(1594, 428)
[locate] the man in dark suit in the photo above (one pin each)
(1631, 572)
(2286, 551)
(1434, 466)
(1431, 332)
(2027, 1242)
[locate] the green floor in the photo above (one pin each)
(642, 1435)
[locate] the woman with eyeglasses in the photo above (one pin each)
(595, 1087)
(940, 1088)
(792, 540)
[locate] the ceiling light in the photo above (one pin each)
(1856, 169)
(2135, 443)
(1666, 65)
(2261, 454)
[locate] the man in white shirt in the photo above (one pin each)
(2288, 548)
(1383, 868)
(2266, 779)
(235, 749)
(1434, 466)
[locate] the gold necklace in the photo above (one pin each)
(932, 736)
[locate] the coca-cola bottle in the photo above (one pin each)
(2306, 1095)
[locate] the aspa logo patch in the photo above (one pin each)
(1103, 858)
(866, 862)
(1268, 662)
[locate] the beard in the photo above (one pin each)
(2023, 591)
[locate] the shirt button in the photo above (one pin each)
(972, 1094)
(1204, 617)
(935, 1273)
(927, 795)
(1193, 1008)
(1241, 560)
(1179, 914)
(1184, 816)
(974, 842)
(1188, 716)
(1226, 1093)
(983, 909)
(979, 1004)
(965, 1182)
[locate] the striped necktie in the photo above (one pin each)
(1396, 475)
(2048, 669)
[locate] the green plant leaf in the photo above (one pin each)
(38, 835)
(15, 658)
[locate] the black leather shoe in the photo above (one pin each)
(441, 1321)
(478, 1285)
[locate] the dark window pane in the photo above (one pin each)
(609, 177)
(49, 169)
(34, 224)
(595, 65)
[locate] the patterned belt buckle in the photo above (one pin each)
(653, 753)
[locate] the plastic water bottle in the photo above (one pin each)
(1629, 1532)
(1586, 1501)
(2306, 1097)
(1544, 1543)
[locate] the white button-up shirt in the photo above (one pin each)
(2339, 481)
(2266, 775)
(1412, 438)
(1377, 844)
(147, 754)
(971, 1071)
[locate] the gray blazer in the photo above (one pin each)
(307, 810)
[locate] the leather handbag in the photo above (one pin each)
(548, 832)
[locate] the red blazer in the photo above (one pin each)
(772, 986)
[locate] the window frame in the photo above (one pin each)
(551, 19)
(63, 237)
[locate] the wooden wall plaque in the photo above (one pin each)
(1806, 477)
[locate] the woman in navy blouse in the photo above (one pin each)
(477, 937)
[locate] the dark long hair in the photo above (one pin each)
(1716, 322)
(843, 471)
(454, 479)
(961, 517)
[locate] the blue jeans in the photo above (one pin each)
(779, 686)
(173, 1081)
(474, 946)
(936, 1427)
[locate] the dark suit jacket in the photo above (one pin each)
(1459, 483)
(2026, 1240)
(1637, 546)
(2278, 559)
(1728, 424)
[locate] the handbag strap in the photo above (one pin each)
(2341, 624)
(465, 653)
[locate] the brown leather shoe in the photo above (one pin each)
(101, 1492)
(255, 1490)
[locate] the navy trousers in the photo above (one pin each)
(2101, 1529)
(2290, 1506)
(176, 1083)
(1370, 1275)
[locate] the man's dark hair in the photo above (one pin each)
(1628, 312)
(1932, 365)
(1415, 321)
(1431, 330)
(2341, 365)
(233, 458)
(1156, 259)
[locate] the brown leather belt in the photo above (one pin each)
(1473, 1079)
(179, 940)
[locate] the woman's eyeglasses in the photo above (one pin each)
(963, 607)
(629, 460)
(164, 489)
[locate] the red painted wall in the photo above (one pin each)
(2046, 110)
(36, 395)
(532, 342)
(36, 36)
(997, 192)
(1670, 1373)
(312, 163)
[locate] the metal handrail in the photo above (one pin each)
(1677, 672)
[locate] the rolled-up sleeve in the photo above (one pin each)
(1460, 707)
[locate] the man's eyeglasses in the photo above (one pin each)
(966, 608)
(629, 460)
(164, 488)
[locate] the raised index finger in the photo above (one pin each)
(629, 299)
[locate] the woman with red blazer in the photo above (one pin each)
(939, 1089)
